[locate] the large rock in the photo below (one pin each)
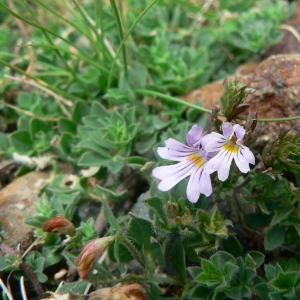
(17, 200)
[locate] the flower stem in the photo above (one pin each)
(132, 249)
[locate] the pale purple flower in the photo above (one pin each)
(191, 160)
(228, 146)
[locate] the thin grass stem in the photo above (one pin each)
(16, 15)
(172, 99)
(121, 35)
(68, 21)
(83, 86)
(83, 58)
(202, 109)
(125, 39)
(49, 86)
(89, 25)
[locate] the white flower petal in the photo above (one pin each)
(176, 145)
(193, 187)
(205, 184)
(194, 136)
(169, 182)
(241, 162)
(248, 155)
(224, 167)
(167, 171)
(227, 129)
(171, 154)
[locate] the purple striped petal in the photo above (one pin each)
(224, 165)
(175, 145)
(227, 129)
(167, 171)
(240, 133)
(194, 135)
(176, 155)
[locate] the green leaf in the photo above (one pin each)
(158, 206)
(66, 142)
(274, 238)
(258, 220)
(118, 252)
(22, 141)
(39, 125)
(158, 255)
(285, 281)
(233, 246)
(281, 214)
(137, 75)
(81, 109)
(9, 263)
(178, 258)
(89, 159)
(144, 146)
(115, 164)
(195, 271)
(140, 231)
(109, 216)
(257, 257)
(234, 293)
(66, 125)
(107, 193)
(5, 142)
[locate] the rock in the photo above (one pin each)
(133, 291)
(275, 78)
(17, 200)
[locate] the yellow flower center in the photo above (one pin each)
(231, 145)
(197, 159)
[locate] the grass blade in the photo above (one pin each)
(125, 39)
(120, 29)
(57, 52)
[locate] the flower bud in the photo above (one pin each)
(59, 224)
(90, 254)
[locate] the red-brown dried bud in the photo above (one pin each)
(59, 224)
(90, 254)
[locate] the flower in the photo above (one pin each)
(59, 224)
(191, 162)
(90, 254)
(228, 146)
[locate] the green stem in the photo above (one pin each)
(86, 20)
(132, 249)
(119, 23)
(57, 52)
(159, 279)
(172, 99)
(202, 109)
(67, 20)
(125, 39)
(50, 87)
(98, 4)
